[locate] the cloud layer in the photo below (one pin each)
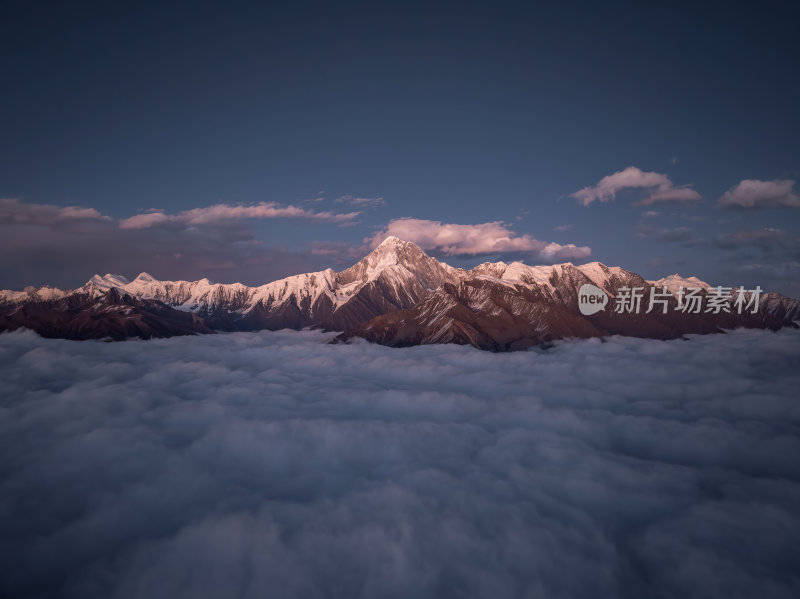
(220, 213)
(486, 238)
(273, 464)
(754, 193)
(660, 188)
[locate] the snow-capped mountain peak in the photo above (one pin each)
(391, 242)
(673, 283)
(392, 251)
(600, 274)
(395, 259)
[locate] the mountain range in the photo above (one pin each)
(396, 295)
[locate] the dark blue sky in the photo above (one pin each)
(460, 113)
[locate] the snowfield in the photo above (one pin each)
(274, 464)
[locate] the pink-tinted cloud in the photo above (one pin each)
(227, 212)
(661, 188)
(149, 219)
(754, 193)
(569, 251)
(77, 212)
(485, 238)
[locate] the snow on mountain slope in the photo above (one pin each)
(674, 282)
(192, 296)
(602, 275)
(108, 281)
(518, 273)
(31, 294)
(111, 314)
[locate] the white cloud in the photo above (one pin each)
(227, 212)
(485, 238)
(753, 193)
(661, 188)
(273, 463)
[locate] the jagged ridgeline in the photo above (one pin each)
(397, 295)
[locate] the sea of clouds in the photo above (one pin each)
(274, 464)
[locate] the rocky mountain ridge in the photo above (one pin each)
(396, 295)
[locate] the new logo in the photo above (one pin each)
(591, 299)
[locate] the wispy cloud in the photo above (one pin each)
(360, 201)
(754, 193)
(668, 234)
(765, 237)
(661, 188)
(484, 238)
(342, 251)
(14, 211)
(750, 235)
(226, 212)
